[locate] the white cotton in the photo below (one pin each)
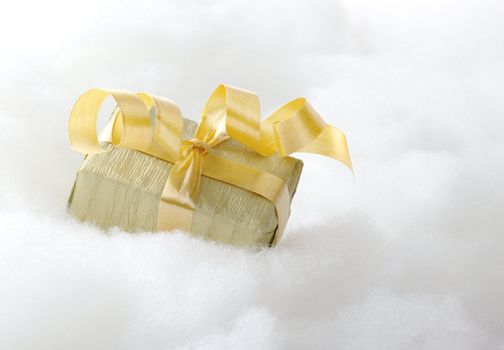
(406, 255)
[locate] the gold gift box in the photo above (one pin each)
(122, 188)
(228, 178)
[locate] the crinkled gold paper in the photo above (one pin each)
(122, 188)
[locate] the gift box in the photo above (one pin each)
(229, 178)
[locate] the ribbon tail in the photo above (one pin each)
(179, 197)
(331, 143)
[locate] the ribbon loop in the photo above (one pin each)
(168, 126)
(230, 112)
(295, 125)
(134, 119)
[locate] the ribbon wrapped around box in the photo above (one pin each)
(230, 178)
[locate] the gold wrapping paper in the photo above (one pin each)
(123, 187)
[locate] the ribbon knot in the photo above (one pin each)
(201, 146)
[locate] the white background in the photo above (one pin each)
(408, 255)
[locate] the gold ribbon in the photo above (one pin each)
(228, 113)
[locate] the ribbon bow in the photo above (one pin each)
(228, 113)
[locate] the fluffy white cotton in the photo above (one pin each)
(408, 255)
